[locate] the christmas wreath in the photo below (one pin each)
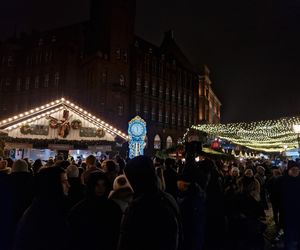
(53, 124)
(100, 132)
(76, 124)
(25, 129)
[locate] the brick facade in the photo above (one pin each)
(102, 65)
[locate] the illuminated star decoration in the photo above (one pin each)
(270, 135)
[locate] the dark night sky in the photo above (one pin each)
(251, 46)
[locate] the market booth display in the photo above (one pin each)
(59, 126)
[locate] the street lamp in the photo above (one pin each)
(296, 128)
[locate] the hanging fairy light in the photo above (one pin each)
(269, 135)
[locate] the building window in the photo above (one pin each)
(153, 89)
(122, 80)
(138, 84)
(160, 115)
(137, 107)
(118, 54)
(36, 82)
(7, 82)
(120, 109)
(56, 79)
(146, 110)
(157, 142)
(125, 57)
(184, 120)
(27, 83)
(169, 142)
(190, 119)
(179, 97)
(173, 95)
(167, 93)
(160, 91)
(153, 114)
(46, 81)
(179, 119)
(173, 119)
(10, 61)
(167, 117)
(146, 87)
(184, 99)
(18, 87)
(190, 101)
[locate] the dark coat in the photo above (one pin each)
(192, 207)
(171, 178)
(43, 226)
(5, 212)
(95, 224)
(76, 192)
(152, 220)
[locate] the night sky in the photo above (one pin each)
(252, 47)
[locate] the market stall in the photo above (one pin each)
(58, 126)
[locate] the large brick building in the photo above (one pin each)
(103, 65)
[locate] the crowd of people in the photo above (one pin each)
(146, 204)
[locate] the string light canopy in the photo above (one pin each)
(52, 107)
(269, 135)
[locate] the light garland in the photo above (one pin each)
(270, 135)
(50, 108)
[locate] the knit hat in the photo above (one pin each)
(72, 171)
(20, 166)
(292, 164)
(121, 188)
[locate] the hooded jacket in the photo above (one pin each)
(152, 220)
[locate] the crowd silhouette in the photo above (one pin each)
(146, 204)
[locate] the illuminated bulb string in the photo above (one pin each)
(269, 135)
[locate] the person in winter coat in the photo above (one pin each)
(95, 221)
(191, 201)
(290, 205)
(76, 191)
(122, 192)
(152, 220)
(273, 189)
(21, 190)
(171, 177)
(261, 177)
(43, 226)
(249, 185)
(5, 206)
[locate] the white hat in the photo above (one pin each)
(121, 187)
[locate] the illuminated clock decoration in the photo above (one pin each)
(137, 132)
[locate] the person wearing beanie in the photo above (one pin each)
(191, 200)
(152, 220)
(289, 185)
(5, 207)
(122, 192)
(95, 220)
(76, 191)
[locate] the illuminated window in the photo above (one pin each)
(169, 142)
(157, 142)
(122, 80)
